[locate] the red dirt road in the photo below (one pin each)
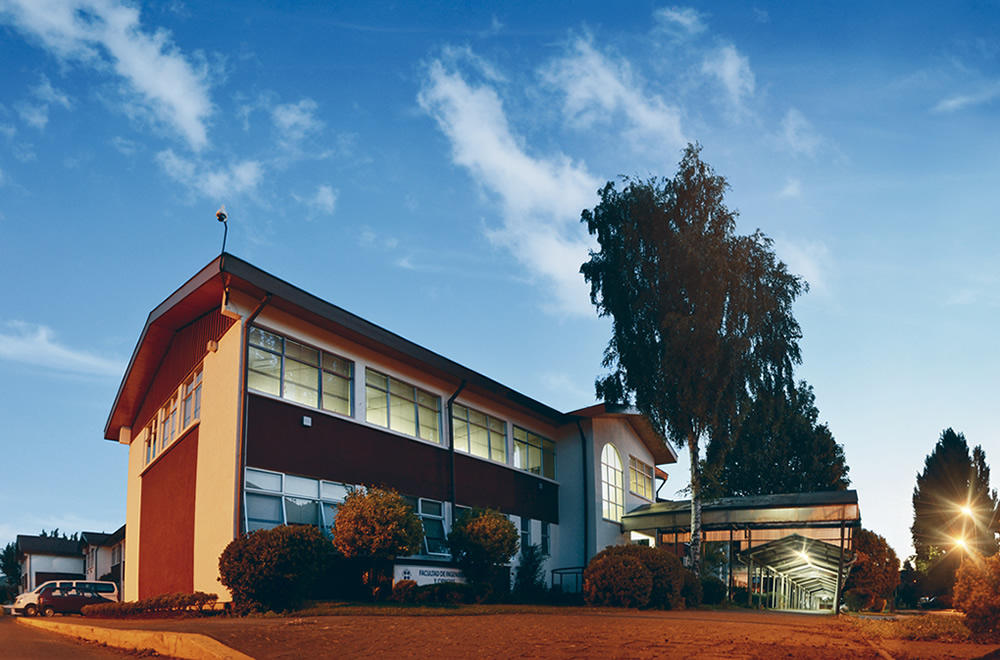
(601, 633)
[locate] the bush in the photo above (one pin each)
(740, 596)
(713, 590)
(162, 604)
(529, 578)
(665, 568)
(403, 591)
(859, 599)
(977, 595)
(617, 580)
(481, 541)
(453, 593)
(878, 604)
(274, 569)
(691, 589)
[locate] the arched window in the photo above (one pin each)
(612, 484)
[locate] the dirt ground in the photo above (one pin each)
(601, 633)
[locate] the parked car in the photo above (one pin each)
(69, 599)
(936, 603)
(28, 605)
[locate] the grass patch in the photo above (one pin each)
(923, 628)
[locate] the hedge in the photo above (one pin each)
(178, 603)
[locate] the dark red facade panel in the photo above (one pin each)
(341, 450)
(166, 526)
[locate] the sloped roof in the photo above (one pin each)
(810, 564)
(47, 545)
(94, 538)
(658, 446)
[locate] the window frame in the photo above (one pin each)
(421, 513)
(286, 385)
(167, 424)
(392, 394)
(494, 438)
(282, 493)
(546, 448)
(612, 507)
(639, 469)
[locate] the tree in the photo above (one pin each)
(11, 570)
(876, 566)
(480, 541)
(954, 509)
(780, 448)
(376, 525)
(701, 317)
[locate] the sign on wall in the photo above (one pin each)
(426, 574)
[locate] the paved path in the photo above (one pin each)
(25, 643)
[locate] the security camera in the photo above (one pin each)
(221, 213)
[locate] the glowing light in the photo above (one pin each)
(959, 542)
(966, 510)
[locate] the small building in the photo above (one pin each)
(44, 558)
(103, 555)
(250, 403)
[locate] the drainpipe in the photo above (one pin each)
(242, 430)
(451, 447)
(586, 497)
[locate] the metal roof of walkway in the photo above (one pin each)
(796, 546)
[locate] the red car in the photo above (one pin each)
(60, 600)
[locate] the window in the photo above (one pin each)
(308, 376)
(181, 411)
(525, 532)
(402, 407)
(534, 453)
(640, 478)
(545, 538)
(479, 434)
(612, 484)
(273, 499)
(431, 514)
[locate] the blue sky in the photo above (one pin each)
(425, 168)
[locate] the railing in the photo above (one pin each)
(569, 580)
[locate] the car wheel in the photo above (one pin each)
(30, 610)
(48, 610)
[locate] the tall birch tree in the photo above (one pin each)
(701, 317)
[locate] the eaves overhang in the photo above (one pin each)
(658, 446)
(204, 292)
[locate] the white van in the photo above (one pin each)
(27, 603)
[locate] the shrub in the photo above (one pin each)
(977, 595)
(481, 541)
(878, 604)
(691, 589)
(713, 590)
(740, 596)
(453, 593)
(404, 591)
(665, 568)
(162, 604)
(529, 578)
(374, 526)
(859, 599)
(273, 569)
(617, 580)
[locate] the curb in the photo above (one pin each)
(189, 646)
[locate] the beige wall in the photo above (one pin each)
(218, 446)
(133, 506)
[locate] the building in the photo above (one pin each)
(44, 558)
(249, 403)
(103, 555)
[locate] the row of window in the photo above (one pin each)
(319, 379)
(274, 498)
(612, 482)
(180, 412)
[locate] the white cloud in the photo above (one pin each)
(798, 135)
(34, 115)
(566, 387)
(36, 345)
(541, 198)
(295, 121)
(686, 18)
(733, 70)
(324, 200)
(107, 34)
(46, 93)
(239, 177)
(599, 90)
(810, 260)
(985, 94)
(793, 188)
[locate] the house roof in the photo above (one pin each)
(117, 536)
(658, 446)
(47, 545)
(99, 538)
(204, 292)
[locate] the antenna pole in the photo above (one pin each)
(221, 216)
